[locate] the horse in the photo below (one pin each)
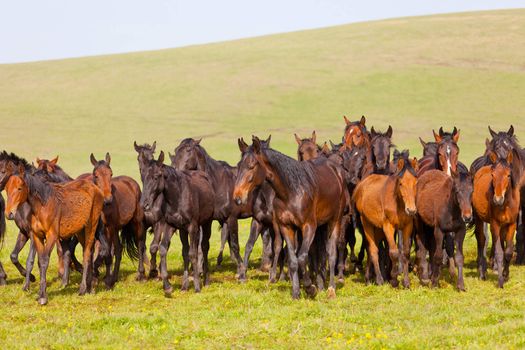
(307, 148)
(51, 167)
(355, 133)
(190, 155)
(153, 217)
(378, 160)
(59, 211)
(443, 205)
(121, 213)
(496, 201)
(445, 157)
(429, 148)
(386, 203)
(308, 194)
(3, 275)
(188, 206)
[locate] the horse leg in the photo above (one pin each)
(449, 253)
(405, 258)
(224, 237)
(288, 234)
(393, 252)
(481, 241)
(87, 240)
(67, 259)
(351, 238)
(308, 231)
(140, 238)
(194, 232)
(158, 228)
(3, 275)
(266, 261)
(437, 255)
(163, 252)
(233, 231)
(183, 234)
(29, 264)
(277, 247)
(60, 255)
(458, 257)
(206, 234)
(255, 228)
(21, 241)
(520, 238)
(342, 252)
(422, 244)
(509, 248)
(373, 251)
(498, 247)
(43, 251)
(334, 233)
(76, 263)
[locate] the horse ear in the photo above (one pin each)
(198, 142)
(256, 144)
(53, 161)
(325, 148)
(108, 158)
(172, 156)
(243, 146)
(161, 158)
(492, 132)
(363, 121)
(437, 137)
(487, 143)
(297, 139)
(493, 157)
(414, 164)
(314, 136)
(510, 156)
(332, 144)
(346, 120)
(93, 160)
(153, 146)
(400, 164)
(38, 160)
(441, 132)
(511, 131)
(372, 132)
(135, 146)
(389, 132)
(423, 143)
(455, 135)
(268, 140)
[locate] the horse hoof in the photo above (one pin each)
(153, 273)
(406, 284)
(3, 282)
(168, 291)
(273, 280)
(341, 280)
(32, 278)
(140, 278)
(25, 288)
(265, 267)
(425, 282)
(311, 291)
(219, 259)
(330, 293)
(461, 289)
(42, 301)
(296, 295)
(394, 282)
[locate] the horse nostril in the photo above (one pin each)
(467, 219)
(10, 216)
(238, 201)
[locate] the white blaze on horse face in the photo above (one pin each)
(449, 166)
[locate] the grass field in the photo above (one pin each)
(413, 73)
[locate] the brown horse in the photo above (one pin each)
(121, 213)
(307, 195)
(386, 203)
(445, 157)
(496, 200)
(443, 205)
(307, 148)
(355, 134)
(59, 211)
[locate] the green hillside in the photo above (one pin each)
(465, 70)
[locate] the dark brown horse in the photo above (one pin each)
(59, 211)
(386, 203)
(3, 275)
(496, 201)
(443, 205)
(307, 195)
(190, 155)
(154, 217)
(307, 148)
(51, 167)
(121, 213)
(188, 206)
(445, 157)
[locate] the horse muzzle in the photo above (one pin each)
(410, 211)
(498, 200)
(238, 200)
(467, 219)
(108, 201)
(10, 215)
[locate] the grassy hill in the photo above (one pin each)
(465, 70)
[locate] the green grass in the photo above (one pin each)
(413, 73)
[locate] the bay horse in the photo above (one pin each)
(59, 211)
(307, 148)
(3, 275)
(443, 205)
(429, 148)
(308, 194)
(188, 206)
(190, 155)
(154, 217)
(121, 213)
(496, 201)
(445, 157)
(386, 203)
(355, 133)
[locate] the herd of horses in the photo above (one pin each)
(312, 206)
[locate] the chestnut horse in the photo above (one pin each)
(59, 211)
(386, 203)
(154, 217)
(443, 205)
(355, 134)
(307, 195)
(121, 213)
(188, 206)
(496, 200)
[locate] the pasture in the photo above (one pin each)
(415, 74)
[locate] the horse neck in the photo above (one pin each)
(277, 183)
(173, 187)
(33, 199)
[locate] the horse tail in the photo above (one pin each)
(104, 249)
(2, 220)
(128, 239)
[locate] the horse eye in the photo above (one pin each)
(20, 188)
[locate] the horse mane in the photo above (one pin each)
(407, 166)
(50, 177)
(293, 173)
(16, 160)
(210, 162)
(38, 187)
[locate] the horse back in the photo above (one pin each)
(432, 196)
(125, 205)
(330, 187)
